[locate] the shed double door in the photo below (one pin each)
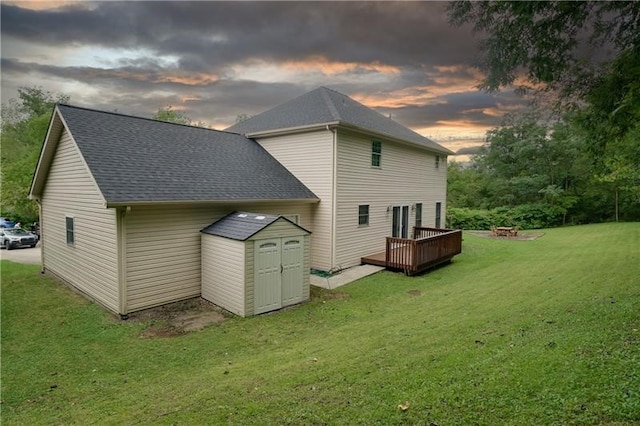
(278, 268)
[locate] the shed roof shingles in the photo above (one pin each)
(240, 225)
(243, 225)
(140, 160)
(325, 105)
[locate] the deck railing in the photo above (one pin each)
(429, 247)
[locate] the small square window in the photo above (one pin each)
(363, 215)
(376, 153)
(70, 231)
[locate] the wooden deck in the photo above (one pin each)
(428, 248)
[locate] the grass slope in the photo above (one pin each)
(512, 332)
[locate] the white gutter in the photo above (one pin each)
(197, 202)
(122, 262)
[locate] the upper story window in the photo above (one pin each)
(437, 161)
(376, 153)
(363, 215)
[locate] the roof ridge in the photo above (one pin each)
(329, 102)
(377, 112)
(120, 114)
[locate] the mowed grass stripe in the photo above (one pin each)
(512, 332)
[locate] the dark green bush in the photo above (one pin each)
(526, 216)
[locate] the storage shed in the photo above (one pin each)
(254, 263)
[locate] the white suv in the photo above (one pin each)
(12, 238)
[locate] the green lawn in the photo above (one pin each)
(512, 332)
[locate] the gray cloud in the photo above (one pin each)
(211, 34)
(208, 40)
(471, 107)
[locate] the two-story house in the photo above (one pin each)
(374, 177)
(123, 199)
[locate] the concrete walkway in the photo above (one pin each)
(345, 277)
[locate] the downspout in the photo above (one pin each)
(37, 200)
(122, 262)
(334, 196)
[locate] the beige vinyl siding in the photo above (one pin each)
(163, 253)
(223, 273)
(91, 263)
(306, 271)
(309, 156)
(163, 247)
(406, 176)
(303, 210)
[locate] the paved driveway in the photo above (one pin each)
(22, 255)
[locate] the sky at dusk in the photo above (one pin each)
(217, 60)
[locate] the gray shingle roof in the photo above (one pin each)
(242, 225)
(141, 160)
(325, 105)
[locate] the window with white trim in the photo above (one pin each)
(363, 215)
(376, 153)
(418, 215)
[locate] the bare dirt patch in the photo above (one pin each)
(179, 318)
(335, 295)
(414, 293)
(323, 294)
(522, 236)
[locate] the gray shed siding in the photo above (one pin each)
(223, 273)
(91, 263)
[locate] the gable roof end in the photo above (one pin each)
(325, 106)
(47, 151)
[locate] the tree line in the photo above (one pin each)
(574, 156)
